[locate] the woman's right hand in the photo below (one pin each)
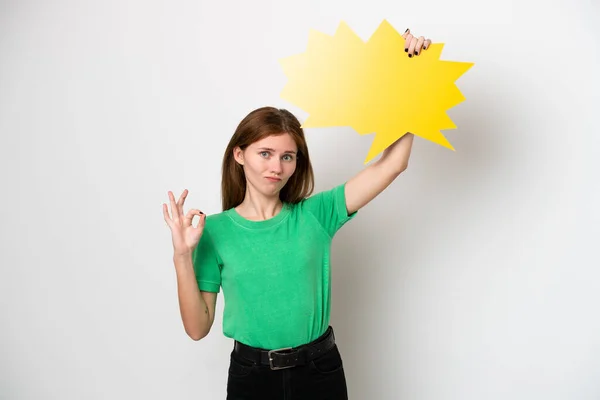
(185, 235)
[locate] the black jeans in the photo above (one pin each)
(321, 379)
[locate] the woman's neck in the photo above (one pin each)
(257, 207)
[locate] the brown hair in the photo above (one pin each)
(257, 125)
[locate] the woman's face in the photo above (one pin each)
(269, 163)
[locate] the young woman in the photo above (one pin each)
(269, 250)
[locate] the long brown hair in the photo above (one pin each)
(257, 125)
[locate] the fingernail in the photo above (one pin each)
(416, 53)
(406, 30)
(410, 55)
(406, 50)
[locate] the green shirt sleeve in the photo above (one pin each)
(206, 264)
(329, 208)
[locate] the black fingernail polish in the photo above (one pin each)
(410, 55)
(406, 30)
(406, 50)
(416, 53)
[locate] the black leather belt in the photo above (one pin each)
(288, 357)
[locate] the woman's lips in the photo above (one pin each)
(273, 179)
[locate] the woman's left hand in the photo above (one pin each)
(414, 45)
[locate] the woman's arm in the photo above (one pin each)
(197, 308)
(372, 180)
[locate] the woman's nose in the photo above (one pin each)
(276, 166)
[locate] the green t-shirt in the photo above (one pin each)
(275, 274)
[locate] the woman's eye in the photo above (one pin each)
(286, 157)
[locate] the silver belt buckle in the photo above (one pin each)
(271, 358)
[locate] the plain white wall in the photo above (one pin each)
(474, 276)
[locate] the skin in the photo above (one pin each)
(273, 156)
(262, 202)
(414, 45)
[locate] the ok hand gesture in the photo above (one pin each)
(185, 235)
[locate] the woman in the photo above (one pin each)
(270, 252)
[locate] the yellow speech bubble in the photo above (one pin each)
(373, 86)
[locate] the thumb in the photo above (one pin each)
(202, 220)
(191, 214)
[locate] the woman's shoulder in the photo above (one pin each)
(328, 195)
(217, 217)
(215, 224)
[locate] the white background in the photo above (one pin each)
(474, 276)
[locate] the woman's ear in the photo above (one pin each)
(238, 155)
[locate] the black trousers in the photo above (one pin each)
(322, 378)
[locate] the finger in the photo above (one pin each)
(406, 32)
(181, 201)
(202, 221)
(408, 38)
(190, 216)
(411, 47)
(174, 209)
(166, 215)
(426, 44)
(419, 45)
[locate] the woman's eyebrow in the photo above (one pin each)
(269, 149)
